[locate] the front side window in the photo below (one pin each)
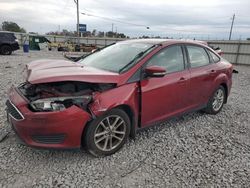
(198, 56)
(170, 58)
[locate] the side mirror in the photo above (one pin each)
(155, 71)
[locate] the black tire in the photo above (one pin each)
(210, 109)
(95, 128)
(5, 50)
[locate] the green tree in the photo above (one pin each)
(86, 34)
(121, 35)
(117, 35)
(12, 26)
(109, 34)
(100, 34)
(93, 32)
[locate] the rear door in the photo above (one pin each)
(165, 96)
(203, 73)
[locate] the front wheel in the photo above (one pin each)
(108, 133)
(216, 102)
(5, 50)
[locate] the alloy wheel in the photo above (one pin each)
(5, 50)
(110, 132)
(218, 99)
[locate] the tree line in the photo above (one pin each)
(14, 27)
(93, 33)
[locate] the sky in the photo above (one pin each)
(200, 19)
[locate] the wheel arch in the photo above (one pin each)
(224, 85)
(131, 115)
(5, 44)
(129, 111)
(221, 80)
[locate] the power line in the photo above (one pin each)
(168, 28)
(140, 25)
(115, 20)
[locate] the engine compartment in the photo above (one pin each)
(61, 89)
(65, 93)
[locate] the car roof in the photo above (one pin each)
(164, 41)
(4, 32)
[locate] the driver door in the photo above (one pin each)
(165, 96)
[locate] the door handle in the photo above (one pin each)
(181, 80)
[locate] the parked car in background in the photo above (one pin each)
(8, 43)
(108, 95)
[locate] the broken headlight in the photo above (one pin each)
(60, 103)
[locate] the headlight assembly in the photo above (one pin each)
(60, 103)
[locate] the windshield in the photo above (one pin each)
(115, 57)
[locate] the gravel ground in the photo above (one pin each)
(194, 150)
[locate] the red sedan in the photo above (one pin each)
(101, 100)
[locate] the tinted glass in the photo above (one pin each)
(7, 36)
(170, 58)
(4, 36)
(214, 56)
(115, 57)
(198, 56)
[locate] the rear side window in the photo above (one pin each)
(12, 36)
(8, 36)
(198, 56)
(214, 56)
(170, 58)
(4, 36)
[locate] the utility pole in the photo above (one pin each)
(77, 26)
(231, 29)
(112, 30)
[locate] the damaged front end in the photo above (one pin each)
(58, 96)
(55, 114)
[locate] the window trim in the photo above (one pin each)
(184, 51)
(188, 58)
(164, 48)
(210, 51)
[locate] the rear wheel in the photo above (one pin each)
(5, 50)
(108, 133)
(216, 102)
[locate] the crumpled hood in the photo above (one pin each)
(46, 70)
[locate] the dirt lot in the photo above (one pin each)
(194, 150)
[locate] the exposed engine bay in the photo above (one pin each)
(57, 96)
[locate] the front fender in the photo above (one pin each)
(123, 95)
